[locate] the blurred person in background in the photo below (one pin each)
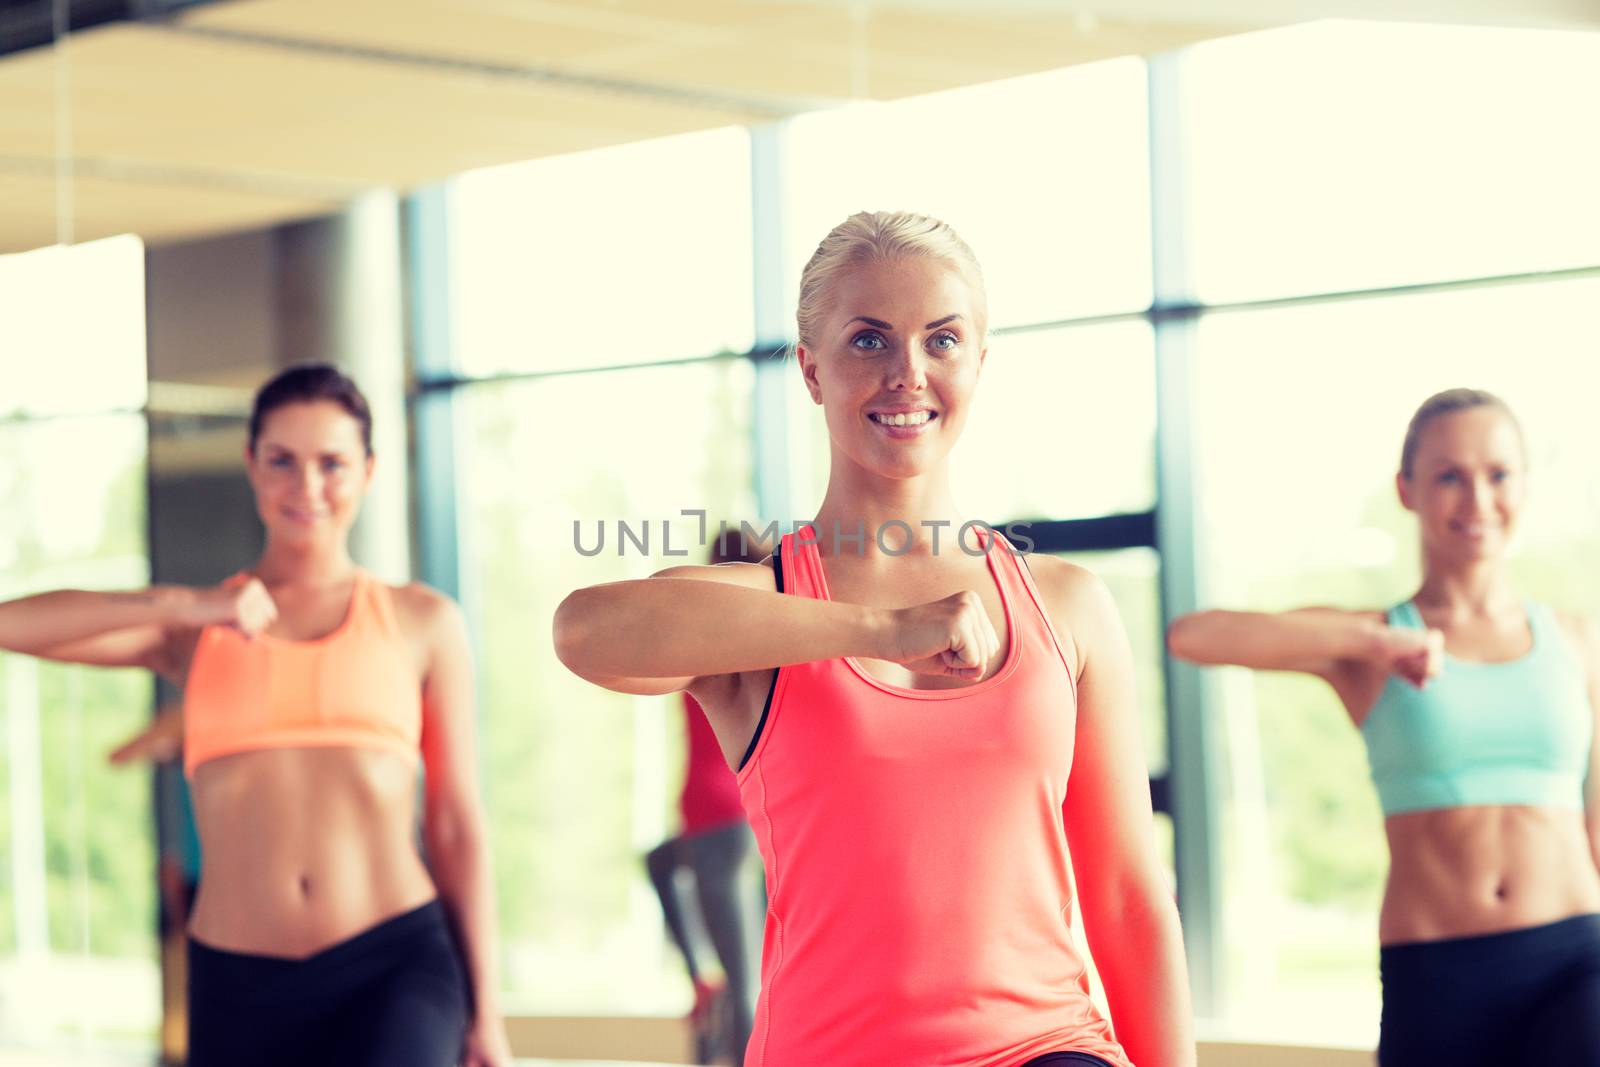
(1478, 708)
(313, 692)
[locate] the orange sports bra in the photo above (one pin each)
(355, 687)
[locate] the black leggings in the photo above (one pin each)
(1527, 996)
(392, 996)
(1066, 1059)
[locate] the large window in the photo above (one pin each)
(581, 781)
(77, 864)
(624, 255)
(1047, 177)
(72, 329)
(1342, 156)
(1450, 157)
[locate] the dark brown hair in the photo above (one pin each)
(306, 383)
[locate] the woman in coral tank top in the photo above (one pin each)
(312, 692)
(936, 740)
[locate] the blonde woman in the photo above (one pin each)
(905, 716)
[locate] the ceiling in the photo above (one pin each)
(239, 115)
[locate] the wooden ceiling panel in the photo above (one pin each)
(157, 212)
(896, 63)
(293, 122)
(532, 33)
(244, 114)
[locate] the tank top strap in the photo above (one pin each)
(802, 565)
(1542, 623)
(1553, 648)
(1014, 574)
(1405, 616)
(374, 603)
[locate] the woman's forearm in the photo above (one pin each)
(36, 624)
(683, 627)
(459, 859)
(1292, 640)
(1138, 951)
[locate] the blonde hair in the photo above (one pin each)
(879, 235)
(1445, 403)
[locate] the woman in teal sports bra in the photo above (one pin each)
(1478, 709)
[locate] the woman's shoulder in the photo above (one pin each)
(1063, 583)
(419, 609)
(1584, 633)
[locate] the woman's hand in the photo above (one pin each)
(162, 740)
(243, 606)
(952, 637)
(1413, 655)
(487, 1045)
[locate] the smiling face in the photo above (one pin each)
(894, 362)
(310, 470)
(1467, 484)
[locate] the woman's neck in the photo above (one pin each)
(1481, 588)
(313, 564)
(888, 516)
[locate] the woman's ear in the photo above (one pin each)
(808, 372)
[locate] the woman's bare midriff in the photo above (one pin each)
(304, 848)
(1460, 872)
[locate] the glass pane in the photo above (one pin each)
(1046, 177)
(72, 328)
(77, 860)
(623, 255)
(1046, 400)
(1133, 575)
(581, 781)
(1300, 414)
(1454, 153)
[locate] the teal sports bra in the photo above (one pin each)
(1517, 732)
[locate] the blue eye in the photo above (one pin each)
(871, 340)
(1449, 476)
(1499, 476)
(331, 465)
(280, 462)
(945, 342)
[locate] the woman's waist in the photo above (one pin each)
(1464, 871)
(926, 943)
(304, 846)
(295, 910)
(284, 929)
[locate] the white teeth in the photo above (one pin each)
(915, 419)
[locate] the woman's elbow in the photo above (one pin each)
(1139, 901)
(456, 830)
(1185, 635)
(572, 630)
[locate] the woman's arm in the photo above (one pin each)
(1130, 920)
(158, 742)
(127, 629)
(660, 634)
(455, 831)
(1588, 634)
(1325, 642)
